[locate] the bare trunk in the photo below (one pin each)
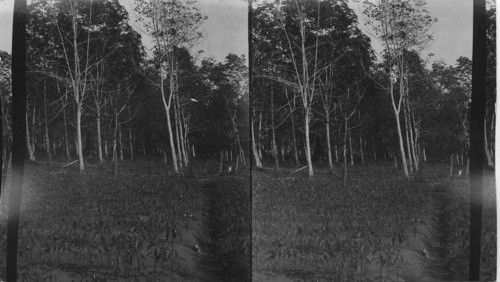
(79, 136)
(361, 148)
(46, 123)
(106, 147)
(486, 146)
(397, 110)
(336, 154)
(256, 156)
(328, 142)
(115, 153)
(274, 145)
(401, 147)
(413, 141)
(451, 165)
(28, 141)
(221, 161)
(181, 134)
(294, 139)
(308, 143)
(172, 146)
(345, 152)
(66, 139)
(130, 142)
(350, 148)
(177, 133)
(283, 150)
(236, 167)
(99, 141)
(259, 137)
(407, 135)
(120, 139)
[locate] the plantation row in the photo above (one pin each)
(143, 224)
(376, 227)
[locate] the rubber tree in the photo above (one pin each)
(400, 25)
(171, 24)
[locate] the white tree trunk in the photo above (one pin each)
(46, 123)
(328, 141)
(308, 144)
(79, 136)
(256, 156)
(99, 141)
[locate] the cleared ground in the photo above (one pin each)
(145, 225)
(379, 227)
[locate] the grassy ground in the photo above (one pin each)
(147, 224)
(379, 226)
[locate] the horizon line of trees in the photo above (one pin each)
(320, 95)
(93, 90)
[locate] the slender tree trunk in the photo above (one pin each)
(401, 147)
(350, 148)
(294, 140)
(397, 111)
(106, 147)
(130, 140)
(46, 123)
(273, 130)
(361, 148)
(178, 138)
(221, 161)
(451, 165)
(282, 150)
(345, 152)
(79, 135)
(259, 137)
(170, 135)
(413, 142)
(28, 142)
(255, 152)
(236, 163)
(328, 142)
(66, 138)
(33, 136)
(99, 140)
(336, 154)
(115, 151)
(307, 118)
(486, 146)
(120, 140)
(181, 134)
(177, 133)
(407, 135)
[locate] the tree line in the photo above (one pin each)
(321, 94)
(94, 91)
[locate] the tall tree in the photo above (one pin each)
(171, 24)
(399, 25)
